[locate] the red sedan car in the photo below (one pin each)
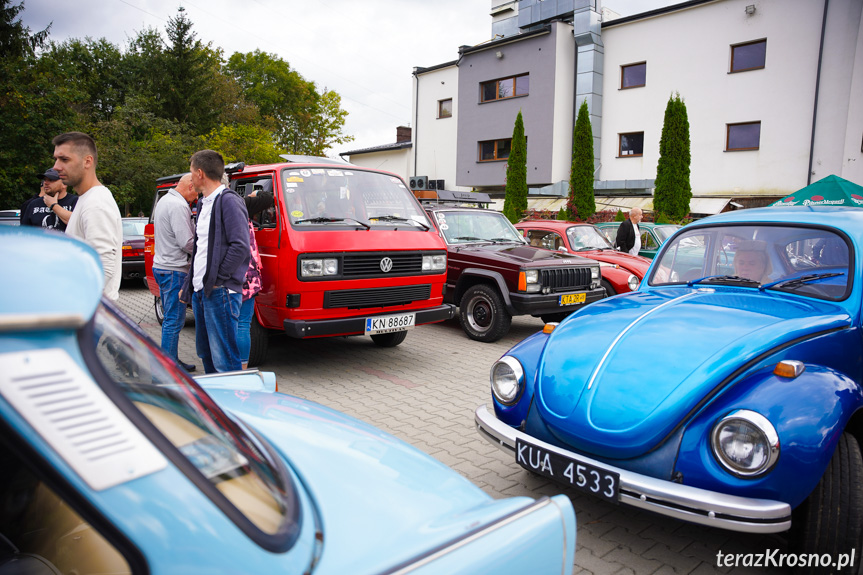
(620, 272)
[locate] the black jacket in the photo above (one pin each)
(625, 239)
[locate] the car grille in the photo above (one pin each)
(376, 297)
(565, 278)
(369, 265)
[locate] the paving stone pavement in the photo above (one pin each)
(425, 390)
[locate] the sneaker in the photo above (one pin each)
(187, 366)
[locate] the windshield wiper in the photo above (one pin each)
(398, 219)
(331, 220)
(469, 238)
(801, 280)
(504, 240)
(729, 279)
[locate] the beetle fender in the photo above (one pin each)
(809, 412)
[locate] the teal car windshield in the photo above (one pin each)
(815, 262)
(318, 197)
(461, 227)
(237, 466)
(665, 232)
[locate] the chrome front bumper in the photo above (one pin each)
(664, 497)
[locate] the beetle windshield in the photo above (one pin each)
(587, 238)
(462, 227)
(337, 197)
(809, 261)
(241, 470)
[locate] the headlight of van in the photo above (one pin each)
(434, 263)
(507, 380)
(745, 443)
(319, 267)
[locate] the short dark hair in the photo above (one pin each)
(79, 140)
(211, 162)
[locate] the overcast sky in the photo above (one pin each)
(365, 50)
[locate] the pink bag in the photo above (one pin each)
(252, 283)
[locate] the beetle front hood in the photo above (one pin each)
(380, 501)
(615, 384)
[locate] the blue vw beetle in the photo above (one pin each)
(725, 391)
(113, 460)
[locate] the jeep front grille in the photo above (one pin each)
(377, 297)
(565, 278)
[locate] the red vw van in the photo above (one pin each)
(345, 250)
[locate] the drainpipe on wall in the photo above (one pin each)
(817, 87)
(415, 131)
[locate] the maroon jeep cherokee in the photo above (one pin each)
(493, 274)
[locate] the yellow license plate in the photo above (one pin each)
(572, 298)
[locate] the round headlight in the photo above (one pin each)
(507, 380)
(745, 443)
(633, 283)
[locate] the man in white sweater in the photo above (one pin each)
(96, 219)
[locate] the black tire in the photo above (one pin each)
(553, 317)
(260, 340)
(483, 315)
(160, 311)
(609, 289)
(830, 521)
(391, 339)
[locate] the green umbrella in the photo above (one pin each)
(830, 191)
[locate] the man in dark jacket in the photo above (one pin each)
(628, 235)
(219, 262)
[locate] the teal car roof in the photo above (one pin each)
(63, 275)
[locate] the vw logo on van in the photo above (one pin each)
(386, 264)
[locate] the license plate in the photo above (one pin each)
(390, 323)
(582, 476)
(572, 298)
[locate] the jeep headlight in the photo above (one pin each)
(632, 282)
(319, 267)
(528, 281)
(745, 443)
(594, 277)
(434, 263)
(507, 380)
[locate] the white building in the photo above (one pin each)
(773, 89)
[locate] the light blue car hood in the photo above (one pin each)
(380, 500)
(615, 384)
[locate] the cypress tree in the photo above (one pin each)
(515, 203)
(581, 201)
(673, 190)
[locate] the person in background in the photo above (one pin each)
(628, 235)
(751, 262)
(174, 234)
(256, 202)
(220, 259)
(53, 207)
(96, 218)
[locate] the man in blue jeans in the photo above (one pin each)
(174, 234)
(220, 259)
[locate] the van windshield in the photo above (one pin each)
(337, 197)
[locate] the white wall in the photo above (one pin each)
(396, 161)
(434, 139)
(689, 51)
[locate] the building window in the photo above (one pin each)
(505, 88)
(444, 108)
(748, 56)
(744, 136)
(631, 144)
(633, 75)
(492, 150)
